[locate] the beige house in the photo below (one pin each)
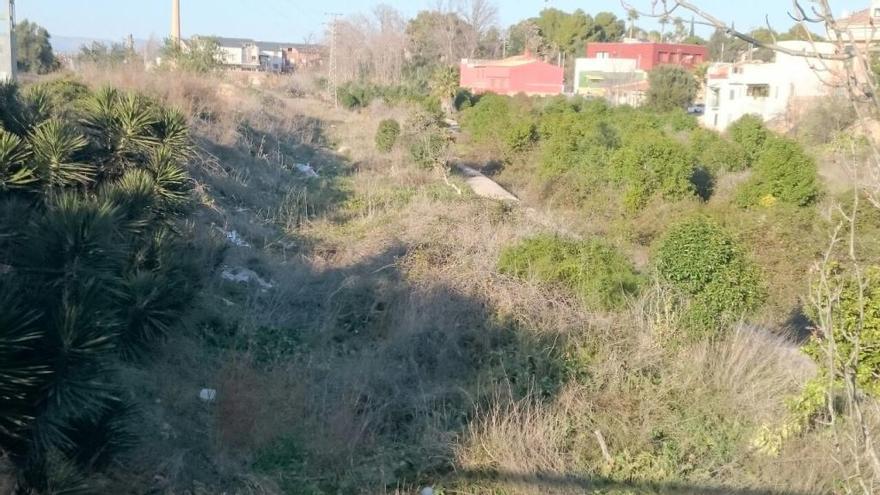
(862, 26)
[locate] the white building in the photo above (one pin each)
(619, 80)
(7, 42)
(770, 90)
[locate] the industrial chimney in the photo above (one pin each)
(175, 22)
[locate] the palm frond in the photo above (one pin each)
(15, 172)
(21, 373)
(76, 239)
(55, 144)
(173, 184)
(152, 303)
(12, 110)
(134, 196)
(98, 441)
(173, 133)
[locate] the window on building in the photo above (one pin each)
(876, 12)
(732, 94)
(602, 55)
(758, 90)
(664, 56)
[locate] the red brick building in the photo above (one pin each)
(649, 55)
(512, 75)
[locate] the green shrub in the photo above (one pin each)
(783, 172)
(654, 164)
(855, 326)
(500, 120)
(750, 133)
(701, 259)
(387, 134)
(428, 143)
(571, 141)
(716, 153)
(595, 271)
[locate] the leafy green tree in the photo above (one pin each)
(34, 49)
(201, 55)
(100, 54)
(672, 87)
(606, 27)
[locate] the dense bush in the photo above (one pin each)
(701, 259)
(354, 95)
(654, 164)
(500, 122)
(93, 269)
(716, 153)
(750, 133)
(572, 140)
(783, 172)
(672, 87)
(427, 141)
(387, 134)
(600, 276)
(855, 327)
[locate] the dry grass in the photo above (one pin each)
(399, 357)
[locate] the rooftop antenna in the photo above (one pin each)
(8, 59)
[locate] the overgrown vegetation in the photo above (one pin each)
(596, 272)
(782, 172)
(671, 88)
(96, 269)
(701, 259)
(387, 134)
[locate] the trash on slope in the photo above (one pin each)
(306, 169)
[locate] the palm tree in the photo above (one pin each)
(632, 16)
(444, 85)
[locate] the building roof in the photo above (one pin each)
(858, 18)
(646, 43)
(267, 45)
(515, 61)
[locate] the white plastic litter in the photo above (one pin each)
(306, 169)
(244, 276)
(235, 238)
(428, 490)
(207, 394)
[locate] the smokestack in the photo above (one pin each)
(175, 22)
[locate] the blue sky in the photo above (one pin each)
(294, 20)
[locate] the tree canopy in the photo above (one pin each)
(34, 49)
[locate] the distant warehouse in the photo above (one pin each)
(512, 75)
(268, 56)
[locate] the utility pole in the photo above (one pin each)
(8, 58)
(331, 76)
